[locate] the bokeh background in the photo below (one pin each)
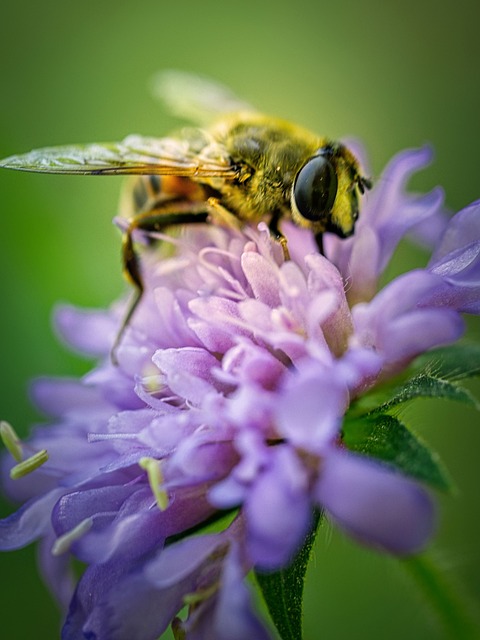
(394, 75)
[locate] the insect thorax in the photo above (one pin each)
(268, 153)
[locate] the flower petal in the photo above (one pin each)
(399, 322)
(377, 506)
(462, 230)
(228, 615)
(188, 371)
(388, 214)
(457, 262)
(29, 523)
(309, 409)
(277, 511)
(91, 332)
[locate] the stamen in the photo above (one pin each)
(29, 465)
(11, 440)
(207, 253)
(155, 479)
(64, 542)
(191, 599)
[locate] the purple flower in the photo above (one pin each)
(232, 382)
(206, 572)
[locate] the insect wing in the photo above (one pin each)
(196, 98)
(134, 155)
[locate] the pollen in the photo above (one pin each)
(11, 440)
(155, 480)
(30, 464)
(63, 543)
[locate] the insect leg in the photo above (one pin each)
(319, 241)
(151, 221)
(278, 235)
(222, 215)
(131, 270)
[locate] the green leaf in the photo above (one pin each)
(433, 375)
(451, 605)
(455, 362)
(424, 385)
(283, 590)
(382, 436)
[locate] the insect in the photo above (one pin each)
(240, 167)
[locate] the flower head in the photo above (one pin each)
(229, 393)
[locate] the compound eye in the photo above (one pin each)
(315, 189)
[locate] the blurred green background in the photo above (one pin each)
(393, 74)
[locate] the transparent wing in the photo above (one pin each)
(196, 98)
(196, 155)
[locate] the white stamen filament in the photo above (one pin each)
(100, 437)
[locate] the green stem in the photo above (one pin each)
(450, 605)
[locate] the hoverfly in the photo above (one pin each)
(241, 167)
